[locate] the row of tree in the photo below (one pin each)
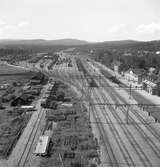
(107, 57)
(13, 55)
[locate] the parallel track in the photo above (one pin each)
(126, 155)
(140, 118)
(108, 148)
(115, 97)
(141, 154)
(25, 154)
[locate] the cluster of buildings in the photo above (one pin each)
(23, 95)
(29, 91)
(146, 80)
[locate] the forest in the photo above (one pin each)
(135, 60)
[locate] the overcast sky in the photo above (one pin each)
(92, 20)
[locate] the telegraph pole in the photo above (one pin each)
(130, 93)
(89, 100)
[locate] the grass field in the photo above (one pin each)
(7, 69)
(7, 74)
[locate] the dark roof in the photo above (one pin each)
(116, 62)
(153, 77)
(38, 76)
(137, 71)
(24, 97)
(157, 81)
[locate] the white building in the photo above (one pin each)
(42, 145)
(134, 75)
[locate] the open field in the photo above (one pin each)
(10, 74)
(7, 69)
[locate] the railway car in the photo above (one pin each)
(42, 146)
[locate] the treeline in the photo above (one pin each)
(145, 61)
(135, 60)
(121, 46)
(13, 55)
(36, 48)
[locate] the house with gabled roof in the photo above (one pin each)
(135, 75)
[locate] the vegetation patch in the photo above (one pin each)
(12, 124)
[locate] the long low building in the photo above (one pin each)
(134, 75)
(42, 145)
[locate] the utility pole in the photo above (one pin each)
(130, 93)
(60, 157)
(89, 100)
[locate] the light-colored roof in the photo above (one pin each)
(27, 107)
(136, 71)
(149, 83)
(42, 145)
(67, 104)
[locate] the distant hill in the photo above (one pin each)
(80, 45)
(66, 42)
(121, 45)
(121, 42)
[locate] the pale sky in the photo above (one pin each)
(92, 20)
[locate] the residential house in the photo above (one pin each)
(134, 75)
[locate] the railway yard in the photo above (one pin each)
(86, 118)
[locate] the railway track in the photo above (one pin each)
(105, 138)
(100, 96)
(112, 158)
(117, 98)
(126, 155)
(25, 154)
(139, 151)
(140, 118)
(144, 159)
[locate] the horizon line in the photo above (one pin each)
(44, 39)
